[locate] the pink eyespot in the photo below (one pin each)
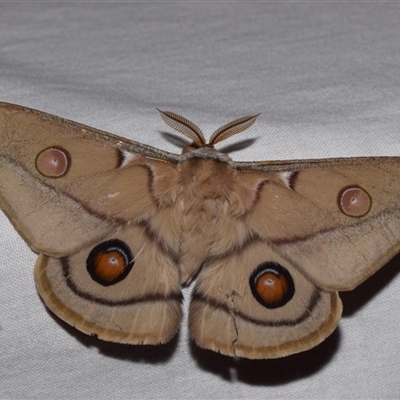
(354, 202)
(53, 162)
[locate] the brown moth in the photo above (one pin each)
(119, 227)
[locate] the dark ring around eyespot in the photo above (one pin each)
(272, 285)
(109, 262)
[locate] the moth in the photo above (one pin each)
(120, 227)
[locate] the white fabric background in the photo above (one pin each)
(326, 77)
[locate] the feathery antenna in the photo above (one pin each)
(193, 132)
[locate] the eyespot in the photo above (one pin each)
(354, 201)
(53, 162)
(109, 262)
(272, 285)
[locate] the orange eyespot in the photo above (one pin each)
(354, 202)
(109, 262)
(271, 285)
(53, 162)
(109, 265)
(271, 288)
